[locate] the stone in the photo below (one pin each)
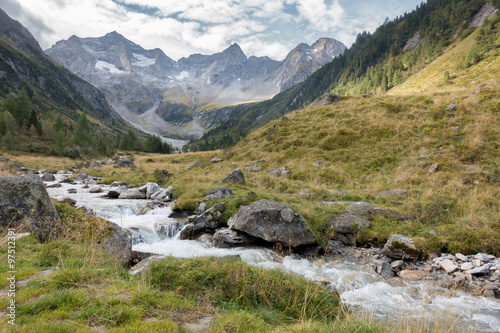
(48, 177)
(118, 184)
(191, 230)
(61, 172)
(400, 247)
(482, 256)
(413, 275)
(216, 160)
(383, 268)
(448, 265)
(279, 172)
(482, 270)
(397, 264)
(54, 185)
(124, 163)
(151, 188)
(114, 192)
(24, 202)
(326, 99)
(95, 189)
(226, 238)
(118, 244)
(451, 107)
(72, 190)
(219, 193)
(253, 168)
(273, 222)
(163, 195)
(131, 194)
(393, 193)
(466, 266)
(193, 165)
(206, 238)
(460, 256)
(209, 220)
(434, 168)
(235, 177)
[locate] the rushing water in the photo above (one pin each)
(364, 291)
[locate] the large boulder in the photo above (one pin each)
(151, 188)
(401, 247)
(273, 222)
(235, 177)
(226, 238)
(25, 201)
(326, 99)
(118, 244)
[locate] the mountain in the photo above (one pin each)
(182, 98)
(24, 66)
(399, 57)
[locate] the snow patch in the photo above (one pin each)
(183, 75)
(103, 65)
(142, 60)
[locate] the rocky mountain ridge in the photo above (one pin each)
(179, 98)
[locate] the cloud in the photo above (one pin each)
(180, 28)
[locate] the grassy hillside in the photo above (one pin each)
(375, 63)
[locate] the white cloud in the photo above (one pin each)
(183, 27)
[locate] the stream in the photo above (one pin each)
(366, 293)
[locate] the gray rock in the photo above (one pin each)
(383, 268)
(131, 194)
(25, 201)
(192, 230)
(95, 189)
(163, 195)
(193, 165)
(225, 238)
(393, 193)
(482, 270)
(326, 99)
(72, 190)
(448, 265)
(151, 188)
(118, 184)
(253, 168)
(279, 172)
(216, 160)
(400, 247)
(114, 192)
(482, 256)
(434, 168)
(124, 163)
(451, 107)
(236, 177)
(219, 193)
(466, 266)
(61, 172)
(273, 222)
(209, 220)
(206, 238)
(48, 177)
(460, 256)
(54, 185)
(397, 264)
(118, 244)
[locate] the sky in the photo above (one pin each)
(183, 27)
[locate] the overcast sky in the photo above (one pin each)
(184, 27)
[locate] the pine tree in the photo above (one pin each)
(83, 132)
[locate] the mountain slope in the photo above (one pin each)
(374, 64)
(24, 66)
(181, 98)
